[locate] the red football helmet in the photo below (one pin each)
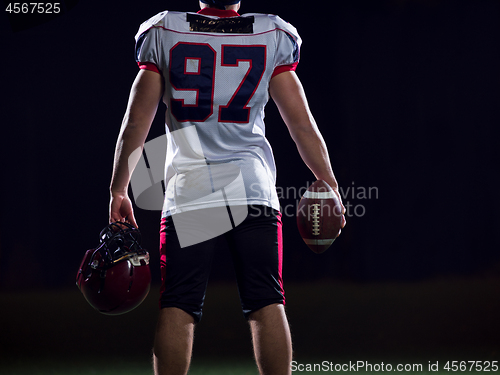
(115, 277)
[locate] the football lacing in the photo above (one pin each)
(315, 219)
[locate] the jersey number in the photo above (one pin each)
(192, 68)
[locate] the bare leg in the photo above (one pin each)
(272, 342)
(173, 342)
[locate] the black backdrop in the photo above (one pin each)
(405, 92)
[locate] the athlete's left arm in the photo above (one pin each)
(290, 98)
(145, 95)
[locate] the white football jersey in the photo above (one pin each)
(217, 72)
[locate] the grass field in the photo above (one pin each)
(120, 366)
(56, 332)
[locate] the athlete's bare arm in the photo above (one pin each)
(288, 94)
(145, 95)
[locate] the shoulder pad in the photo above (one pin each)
(155, 21)
(285, 26)
(267, 22)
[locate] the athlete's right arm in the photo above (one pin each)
(288, 94)
(145, 95)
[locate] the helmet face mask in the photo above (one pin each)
(115, 277)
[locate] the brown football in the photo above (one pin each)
(319, 216)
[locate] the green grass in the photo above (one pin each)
(78, 367)
(120, 366)
(117, 366)
(57, 332)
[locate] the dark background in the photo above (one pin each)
(405, 92)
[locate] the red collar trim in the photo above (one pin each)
(218, 12)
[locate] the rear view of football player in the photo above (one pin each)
(215, 71)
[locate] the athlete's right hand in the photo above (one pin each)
(120, 209)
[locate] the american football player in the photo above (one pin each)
(215, 70)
